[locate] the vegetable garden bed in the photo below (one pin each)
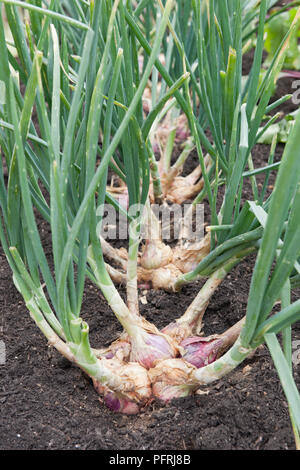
(46, 403)
(176, 386)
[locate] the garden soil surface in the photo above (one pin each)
(47, 403)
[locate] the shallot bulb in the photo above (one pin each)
(134, 391)
(119, 404)
(182, 134)
(149, 348)
(156, 254)
(201, 351)
(178, 331)
(172, 379)
(119, 349)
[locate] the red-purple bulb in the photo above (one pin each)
(149, 348)
(201, 351)
(119, 404)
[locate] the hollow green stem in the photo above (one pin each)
(194, 313)
(132, 288)
(112, 295)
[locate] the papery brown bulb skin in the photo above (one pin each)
(165, 277)
(115, 401)
(133, 392)
(177, 331)
(172, 379)
(119, 349)
(156, 254)
(166, 393)
(151, 257)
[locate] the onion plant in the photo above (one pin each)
(275, 30)
(83, 101)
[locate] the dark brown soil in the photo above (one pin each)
(47, 403)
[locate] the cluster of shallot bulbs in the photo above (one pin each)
(153, 365)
